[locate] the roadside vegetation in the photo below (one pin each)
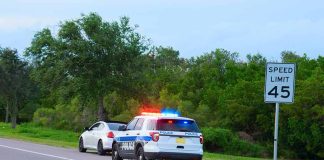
(213, 156)
(97, 70)
(68, 139)
(43, 135)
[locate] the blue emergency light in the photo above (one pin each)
(169, 112)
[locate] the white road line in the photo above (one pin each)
(43, 154)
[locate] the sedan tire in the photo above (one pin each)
(81, 146)
(100, 149)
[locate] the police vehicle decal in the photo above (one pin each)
(166, 132)
(191, 134)
(133, 138)
(186, 134)
(127, 145)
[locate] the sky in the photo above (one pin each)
(193, 27)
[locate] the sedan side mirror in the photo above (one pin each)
(122, 128)
(86, 128)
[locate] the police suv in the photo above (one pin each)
(159, 136)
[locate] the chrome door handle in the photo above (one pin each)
(138, 133)
(127, 134)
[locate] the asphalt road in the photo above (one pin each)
(20, 150)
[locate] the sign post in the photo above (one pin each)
(279, 88)
(275, 140)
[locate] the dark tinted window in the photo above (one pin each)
(139, 124)
(151, 124)
(177, 125)
(95, 126)
(131, 125)
(114, 126)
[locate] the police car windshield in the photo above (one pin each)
(114, 126)
(177, 125)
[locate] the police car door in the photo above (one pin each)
(136, 136)
(126, 141)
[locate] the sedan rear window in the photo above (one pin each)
(114, 126)
(177, 125)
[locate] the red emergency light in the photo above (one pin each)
(151, 114)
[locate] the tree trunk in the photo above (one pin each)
(102, 115)
(13, 121)
(14, 113)
(7, 113)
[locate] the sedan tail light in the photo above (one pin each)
(110, 135)
(155, 136)
(201, 138)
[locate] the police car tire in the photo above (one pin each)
(100, 149)
(114, 153)
(81, 146)
(140, 154)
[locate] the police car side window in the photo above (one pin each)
(131, 125)
(151, 125)
(139, 124)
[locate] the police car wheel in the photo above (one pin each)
(114, 153)
(140, 154)
(100, 149)
(81, 146)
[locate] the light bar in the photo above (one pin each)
(151, 114)
(170, 114)
(159, 114)
(166, 112)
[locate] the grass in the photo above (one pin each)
(69, 139)
(215, 156)
(29, 132)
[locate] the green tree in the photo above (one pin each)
(92, 56)
(304, 126)
(14, 84)
(164, 69)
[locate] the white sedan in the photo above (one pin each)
(99, 136)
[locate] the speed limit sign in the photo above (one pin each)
(280, 83)
(279, 88)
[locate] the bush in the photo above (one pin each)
(44, 116)
(225, 141)
(65, 116)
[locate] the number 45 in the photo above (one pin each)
(284, 89)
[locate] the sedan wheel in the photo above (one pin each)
(81, 146)
(100, 149)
